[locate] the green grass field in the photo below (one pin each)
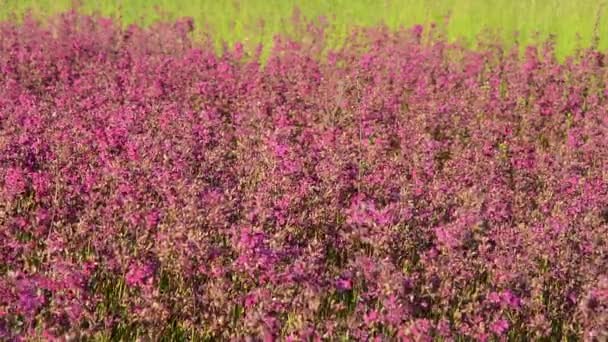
(574, 22)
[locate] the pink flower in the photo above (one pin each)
(500, 326)
(152, 219)
(344, 284)
(420, 330)
(417, 31)
(370, 317)
(138, 274)
(14, 182)
(41, 183)
(250, 300)
(505, 299)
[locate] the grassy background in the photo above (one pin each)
(574, 22)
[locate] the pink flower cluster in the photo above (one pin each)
(397, 188)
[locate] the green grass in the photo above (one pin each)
(574, 22)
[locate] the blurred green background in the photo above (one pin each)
(575, 23)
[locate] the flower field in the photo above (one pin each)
(400, 187)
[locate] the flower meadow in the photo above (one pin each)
(398, 188)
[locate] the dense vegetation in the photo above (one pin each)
(399, 187)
